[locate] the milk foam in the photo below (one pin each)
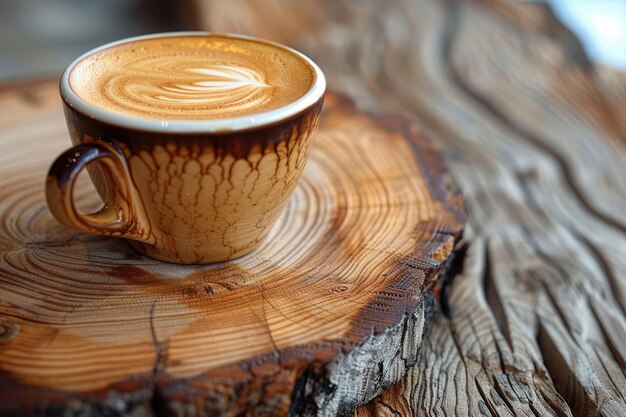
(191, 77)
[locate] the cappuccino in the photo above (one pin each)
(198, 141)
(191, 77)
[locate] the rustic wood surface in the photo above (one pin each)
(328, 311)
(536, 138)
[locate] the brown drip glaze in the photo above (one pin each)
(190, 198)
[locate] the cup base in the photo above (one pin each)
(188, 259)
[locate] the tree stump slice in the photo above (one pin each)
(325, 314)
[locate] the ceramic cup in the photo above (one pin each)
(188, 192)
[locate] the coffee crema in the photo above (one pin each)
(189, 77)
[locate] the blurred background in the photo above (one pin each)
(40, 37)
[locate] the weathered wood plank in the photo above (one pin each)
(536, 137)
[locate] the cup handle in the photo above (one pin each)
(115, 218)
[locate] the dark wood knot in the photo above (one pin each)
(8, 330)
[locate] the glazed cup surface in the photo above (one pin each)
(184, 192)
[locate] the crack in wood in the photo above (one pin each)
(562, 376)
(493, 299)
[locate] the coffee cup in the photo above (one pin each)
(194, 141)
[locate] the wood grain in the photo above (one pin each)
(337, 296)
(536, 137)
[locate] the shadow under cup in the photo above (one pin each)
(185, 192)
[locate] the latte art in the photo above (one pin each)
(191, 77)
(222, 89)
(226, 82)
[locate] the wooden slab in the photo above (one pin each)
(536, 138)
(318, 320)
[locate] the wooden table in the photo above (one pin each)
(536, 137)
(534, 321)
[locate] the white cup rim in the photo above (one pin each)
(231, 124)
